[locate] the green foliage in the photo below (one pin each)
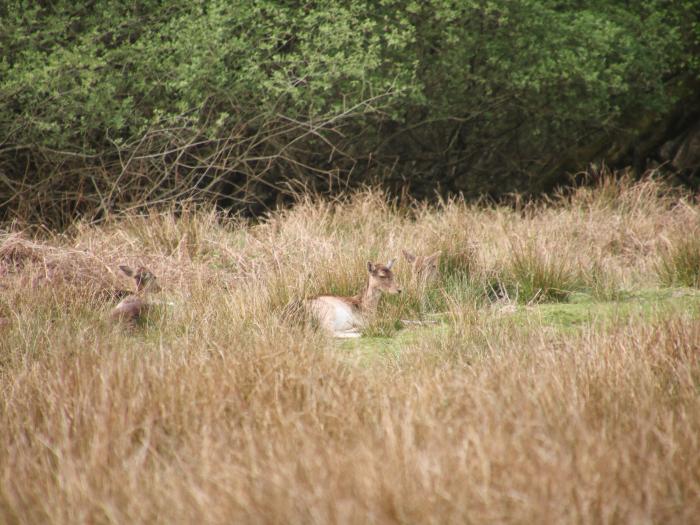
(253, 93)
(99, 74)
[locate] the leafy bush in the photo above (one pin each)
(112, 103)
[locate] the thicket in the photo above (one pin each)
(107, 104)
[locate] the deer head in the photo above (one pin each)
(143, 278)
(381, 277)
(424, 268)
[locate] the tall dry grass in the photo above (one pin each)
(217, 409)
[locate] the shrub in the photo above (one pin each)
(107, 105)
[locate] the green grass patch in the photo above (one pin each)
(582, 310)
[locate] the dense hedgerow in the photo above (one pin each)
(116, 103)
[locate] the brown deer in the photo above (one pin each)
(345, 316)
(135, 305)
(424, 268)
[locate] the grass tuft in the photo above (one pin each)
(679, 264)
(534, 275)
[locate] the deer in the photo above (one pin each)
(424, 268)
(344, 317)
(134, 305)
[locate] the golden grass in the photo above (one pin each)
(219, 410)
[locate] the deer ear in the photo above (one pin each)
(435, 256)
(408, 256)
(370, 266)
(126, 270)
(390, 264)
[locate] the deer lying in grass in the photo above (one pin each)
(345, 316)
(135, 305)
(424, 268)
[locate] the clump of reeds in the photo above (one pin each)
(679, 263)
(534, 274)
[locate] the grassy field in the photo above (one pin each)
(555, 377)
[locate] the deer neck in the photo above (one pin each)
(369, 299)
